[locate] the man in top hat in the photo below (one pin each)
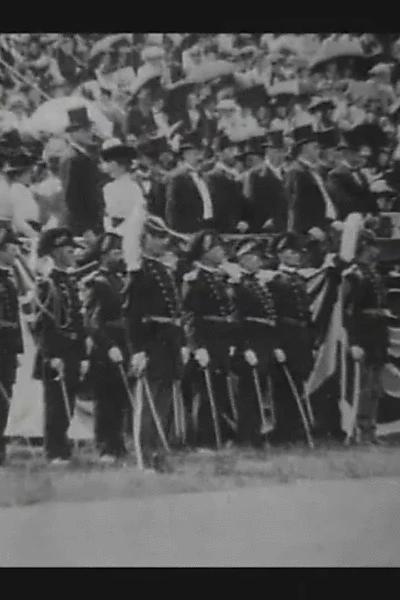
(153, 311)
(367, 327)
(328, 141)
(122, 195)
(10, 329)
(190, 204)
(258, 341)
(80, 176)
(209, 300)
(347, 184)
(296, 337)
(265, 188)
(61, 358)
(110, 351)
(224, 181)
(310, 204)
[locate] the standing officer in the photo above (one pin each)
(367, 328)
(109, 355)
(154, 319)
(209, 300)
(10, 330)
(258, 342)
(59, 331)
(296, 335)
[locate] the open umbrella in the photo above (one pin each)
(210, 71)
(107, 43)
(52, 116)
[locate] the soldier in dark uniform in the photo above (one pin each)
(60, 335)
(258, 340)
(296, 335)
(10, 329)
(210, 302)
(154, 316)
(107, 328)
(367, 326)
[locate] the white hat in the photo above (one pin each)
(152, 52)
(379, 69)
(227, 104)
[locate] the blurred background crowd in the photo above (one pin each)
(164, 85)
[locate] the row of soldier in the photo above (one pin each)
(219, 355)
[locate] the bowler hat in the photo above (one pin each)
(58, 237)
(78, 119)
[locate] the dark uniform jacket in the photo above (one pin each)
(59, 326)
(82, 190)
(365, 318)
(11, 340)
(257, 318)
(266, 199)
(296, 330)
(350, 192)
(105, 320)
(154, 316)
(209, 300)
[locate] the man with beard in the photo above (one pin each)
(309, 200)
(81, 178)
(10, 329)
(224, 182)
(347, 185)
(107, 329)
(61, 359)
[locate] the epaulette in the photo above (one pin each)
(190, 276)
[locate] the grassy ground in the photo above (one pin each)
(28, 480)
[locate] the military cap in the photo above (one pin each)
(58, 237)
(115, 149)
(289, 241)
(202, 243)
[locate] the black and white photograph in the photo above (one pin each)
(200, 300)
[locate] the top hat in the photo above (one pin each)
(51, 239)
(328, 138)
(255, 145)
(78, 119)
(275, 139)
(303, 135)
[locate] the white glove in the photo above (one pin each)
(185, 355)
(280, 355)
(251, 358)
(57, 364)
(202, 357)
(242, 226)
(138, 363)
(115, 355)
(357, 353)
(84, 368)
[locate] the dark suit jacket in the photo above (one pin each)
(184, 208)
(305, 199)
(268, 200)
(228, 200)
(140, 124)
(348, 195)
(82, 191)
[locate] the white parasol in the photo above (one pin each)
(52, 116)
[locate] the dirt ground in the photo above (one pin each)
(26, 479)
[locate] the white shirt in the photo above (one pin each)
(25, 208)
(121, 196)
(202, 188)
